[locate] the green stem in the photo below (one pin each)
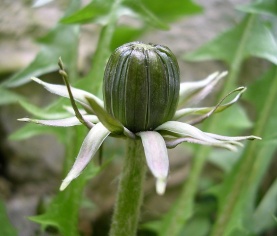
(183, 209)
(250, 164)
(130, 192)
(103, 49)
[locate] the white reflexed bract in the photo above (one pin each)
(197, 90)
(155, 142)
(156, 157)
(78, 94)
(91, 144)
(65, 122)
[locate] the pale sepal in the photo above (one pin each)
(208, 111)
(183, 130)
(156, 157)
(78, 94)
(199, 89)
(65, 122)
(173, 142)
(234, 138)
(161, 186)
(91, 144)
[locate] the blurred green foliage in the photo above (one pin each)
(6, 228)
(238, 205)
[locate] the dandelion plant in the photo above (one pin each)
(142, 92)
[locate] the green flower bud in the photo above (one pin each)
(141, 85)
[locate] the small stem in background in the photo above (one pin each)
(130, 192)
(249, 163)
(183, 208)
(103, 49)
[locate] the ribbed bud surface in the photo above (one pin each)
(141, 85)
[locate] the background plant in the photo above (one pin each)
(241, 199)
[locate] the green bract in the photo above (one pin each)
(141, 85)
(141, 90)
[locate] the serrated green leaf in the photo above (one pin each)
(265, 7)
(62, 41)
(7, 97)
(63, 211)
(169, 11)
(6, 228)
(238, 193)
(266, 210)
(96, 11)
(250, 38)
(99, 12)
(155, 13)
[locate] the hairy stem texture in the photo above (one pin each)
(130, 192)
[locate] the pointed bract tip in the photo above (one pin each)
(242, 89)
(23, 119)
(213, 75)
(160, 186)
(37, 80)
(253, 137)
(224, 73)
(64, 184)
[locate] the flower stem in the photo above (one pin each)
(130, 192)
